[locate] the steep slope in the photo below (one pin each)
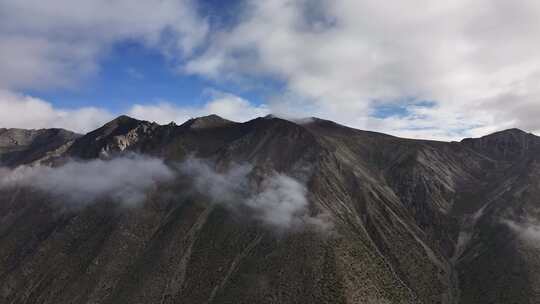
(388, 220)
(502, 245)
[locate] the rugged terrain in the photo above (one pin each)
(19, 146)
(403, 221)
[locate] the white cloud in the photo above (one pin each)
(527, 229)
(59, 42)
(282, 201)
(278, 201)
(227, 105)
(347, 57)
(339, 59)
(125, 179)
(21, 111)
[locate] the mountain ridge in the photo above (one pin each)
(411, 221)
(125, 120)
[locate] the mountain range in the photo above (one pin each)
(266, 211)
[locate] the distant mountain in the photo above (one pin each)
(18, 146)
(406, 221)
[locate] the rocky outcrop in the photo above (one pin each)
(114, 137)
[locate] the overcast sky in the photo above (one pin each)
(424, 69)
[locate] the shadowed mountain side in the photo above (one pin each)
(405, 221)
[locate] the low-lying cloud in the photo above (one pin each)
(527, 229)
(124, 179)
(278, 200)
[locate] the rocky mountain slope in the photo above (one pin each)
(387, 220)
(18, 146)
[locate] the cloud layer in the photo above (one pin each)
(125, 179)
(434, 70)
(278, 201)
(27, 112)
(60, 42)
(527, 229)
(474, 62)
(223, 104)
(22, 111)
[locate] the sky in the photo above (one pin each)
(440, 70)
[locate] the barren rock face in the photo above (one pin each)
(371, 218)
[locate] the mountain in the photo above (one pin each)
(210, 121)
(19, 146)
(389, 220)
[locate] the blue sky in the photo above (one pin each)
(131, 73)
(432, 73)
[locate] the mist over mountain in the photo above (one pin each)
(266, 211)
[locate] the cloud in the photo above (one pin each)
(125, 179)
(347, 58)
(527, 229)
(60, 42)
(223, 104)
(23, 111)
(282, 201)
(278, 201)
(343, 60)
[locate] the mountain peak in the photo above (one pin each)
(270, 116)
(116, 135)
(507, 144)
(122, 119)
(510, 132)
(504, 134)
(205, 122)
(120, 124)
